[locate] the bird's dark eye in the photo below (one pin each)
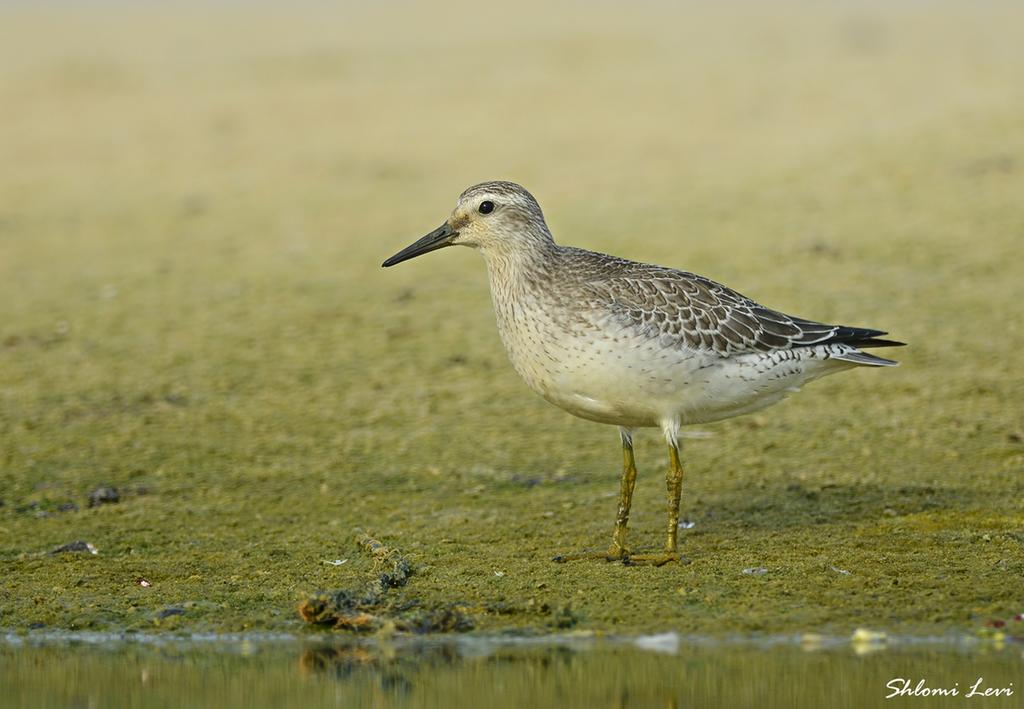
(486, 207)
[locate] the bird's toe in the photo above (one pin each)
(657, 559)
(612, 554)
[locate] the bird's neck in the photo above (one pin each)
(515, 272)
(521, 282)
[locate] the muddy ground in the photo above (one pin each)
(194, 204)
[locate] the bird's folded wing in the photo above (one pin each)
(703, 315)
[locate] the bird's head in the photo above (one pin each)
(495, 217)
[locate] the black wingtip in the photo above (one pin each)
(877, 342)
(861, 337)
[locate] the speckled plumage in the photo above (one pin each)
(633, 344)
(629, 343)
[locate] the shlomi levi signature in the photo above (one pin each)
(900, 687)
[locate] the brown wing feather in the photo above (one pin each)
(704, 315)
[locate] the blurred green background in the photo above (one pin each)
(194, 203)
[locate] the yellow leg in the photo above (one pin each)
(674, 484)
(618, 548)
(625, 495)
(674, 487)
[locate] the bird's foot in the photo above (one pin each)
(655, 559)
(613, 553)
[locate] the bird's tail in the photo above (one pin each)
(863, 338)
(865, 359)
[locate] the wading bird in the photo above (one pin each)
(632, 344)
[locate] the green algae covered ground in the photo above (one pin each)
(193, 208)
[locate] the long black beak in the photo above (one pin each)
(437, 239)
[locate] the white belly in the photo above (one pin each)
(622, 378)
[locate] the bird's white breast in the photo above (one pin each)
(604, 369)
(589, 368)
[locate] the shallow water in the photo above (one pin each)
(662, 671)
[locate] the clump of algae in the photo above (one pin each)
(396, 569)
(370, 609)
(340, 610)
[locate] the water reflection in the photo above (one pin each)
(570, 672)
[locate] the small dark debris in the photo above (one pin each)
(168, 612)
(456, 360)
(67, 507)
(104, 495)
(397, 576)
(405, 296)
(396, 568)
(524, 481)
(176, 399)
(75, 546)
(824, 249)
